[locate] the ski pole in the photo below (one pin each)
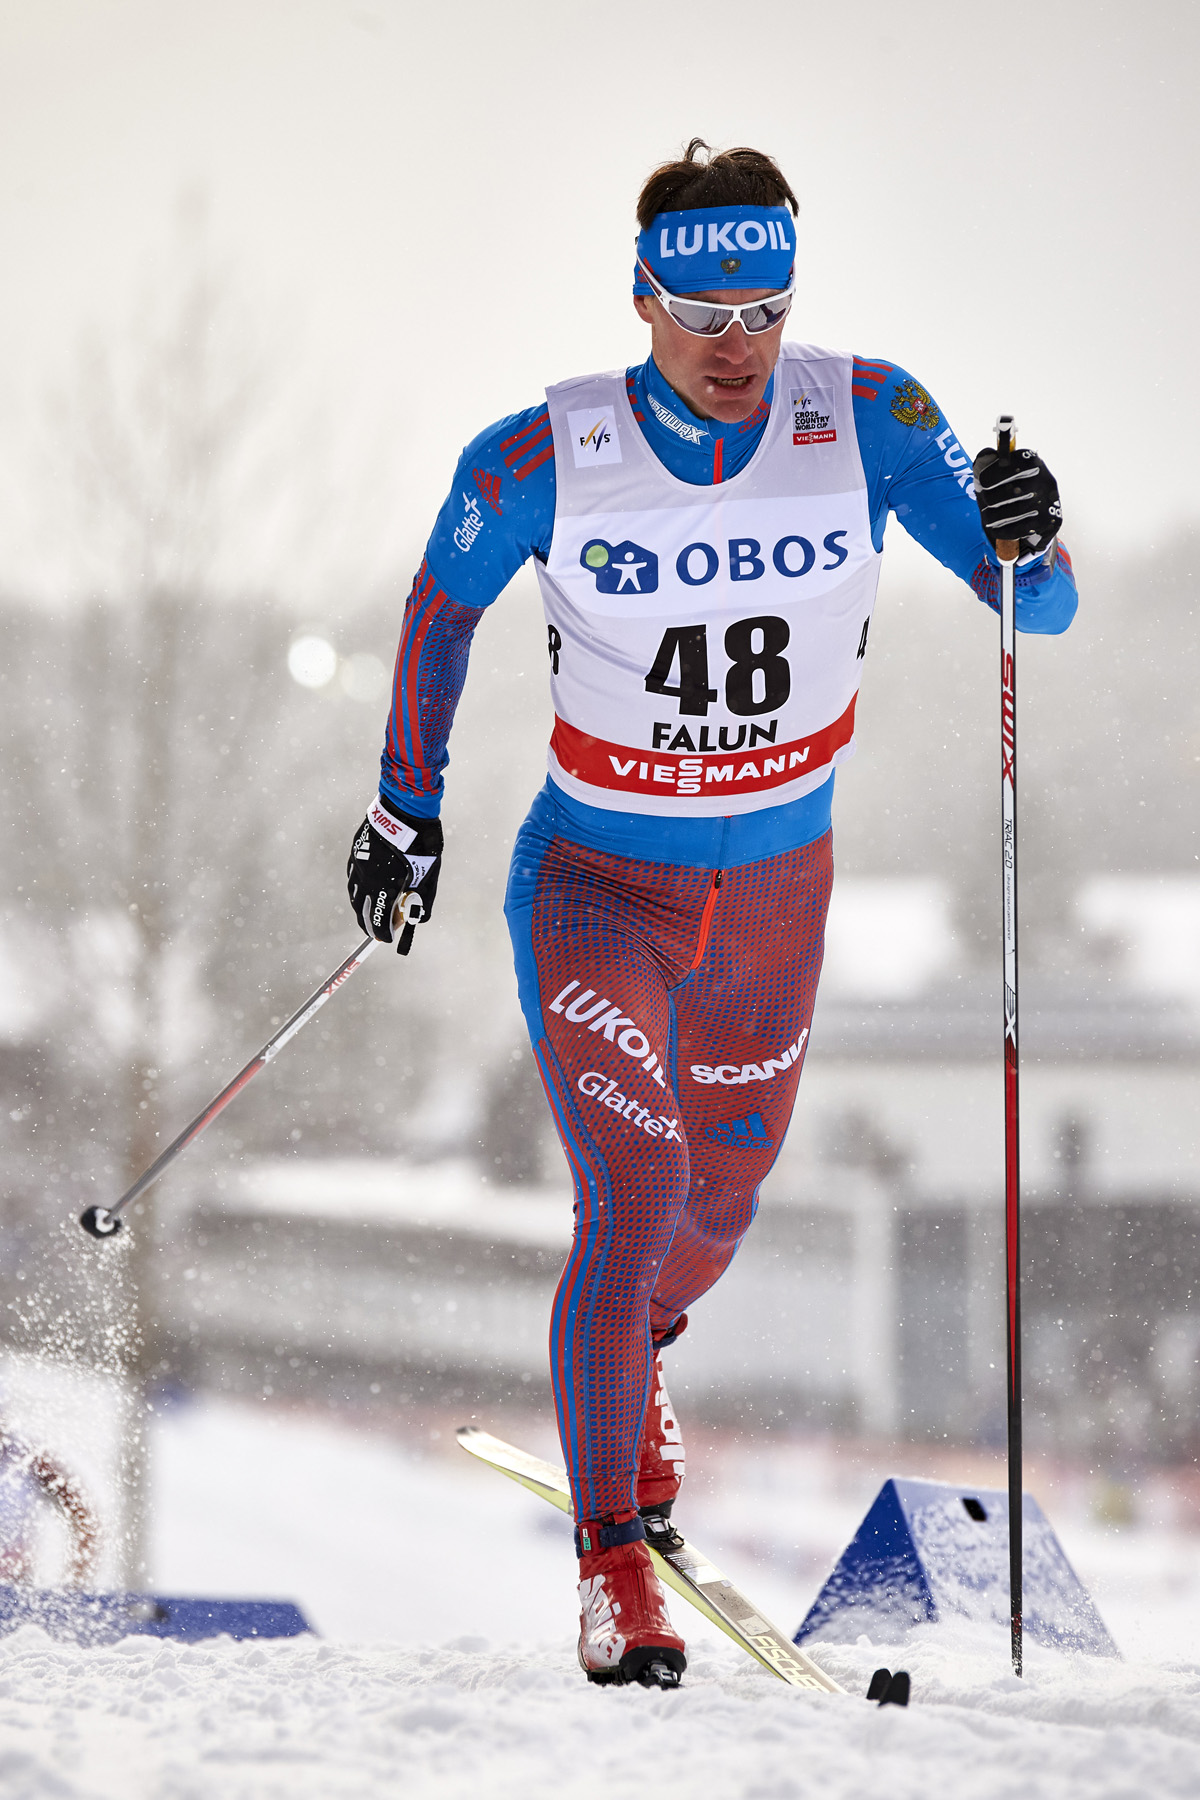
(1008, 549)
(105, 1222)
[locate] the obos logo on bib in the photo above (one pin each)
(594, 437)
(620, 568)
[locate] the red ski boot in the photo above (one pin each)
(624, 1631)
(660, 1457)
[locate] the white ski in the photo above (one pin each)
(685, 1570)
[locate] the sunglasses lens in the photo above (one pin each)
(767, 315)
(703, 321)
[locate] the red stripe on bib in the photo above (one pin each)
(627, 771)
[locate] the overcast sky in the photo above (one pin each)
(429, 209)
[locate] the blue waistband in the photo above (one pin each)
(722, 843)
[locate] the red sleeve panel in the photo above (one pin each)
(431, 667)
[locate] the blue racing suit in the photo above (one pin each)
(667, 965)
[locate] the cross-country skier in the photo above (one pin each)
(706, 530)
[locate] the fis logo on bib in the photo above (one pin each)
(624, 568)
(594, 437)
(812, 417)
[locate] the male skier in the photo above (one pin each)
(706, 529)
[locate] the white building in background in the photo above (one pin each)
(1150, 925)
(889, 938)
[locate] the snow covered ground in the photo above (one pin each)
(445, 1666)
(469, 1718)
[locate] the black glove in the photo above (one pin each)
(392, 856)
(1018, 498)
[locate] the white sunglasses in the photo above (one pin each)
(704, 319)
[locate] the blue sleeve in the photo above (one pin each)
(916, 468)
(499, 511)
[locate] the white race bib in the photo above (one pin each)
(706, 644)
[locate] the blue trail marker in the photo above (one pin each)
(930, 1550)
(82, 1618)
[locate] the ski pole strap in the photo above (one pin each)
(603, 1534)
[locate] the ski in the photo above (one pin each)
(686, 1570)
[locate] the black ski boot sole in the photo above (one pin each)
(651, 1665)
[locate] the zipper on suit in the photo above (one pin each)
(706, 921)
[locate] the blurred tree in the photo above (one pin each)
(169, 682)
(172, 789)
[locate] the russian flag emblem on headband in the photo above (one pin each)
(712, 247)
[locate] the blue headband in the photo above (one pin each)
(718, 247)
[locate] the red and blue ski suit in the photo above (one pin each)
(667, 966)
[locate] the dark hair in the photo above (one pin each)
(740, 177)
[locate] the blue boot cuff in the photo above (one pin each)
(595, 1535)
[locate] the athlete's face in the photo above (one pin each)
(722, 377)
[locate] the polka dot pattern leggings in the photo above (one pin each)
(670, 1009)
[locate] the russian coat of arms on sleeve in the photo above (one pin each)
(913, 406)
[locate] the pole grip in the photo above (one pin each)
(407, 913)
(1007, 549)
